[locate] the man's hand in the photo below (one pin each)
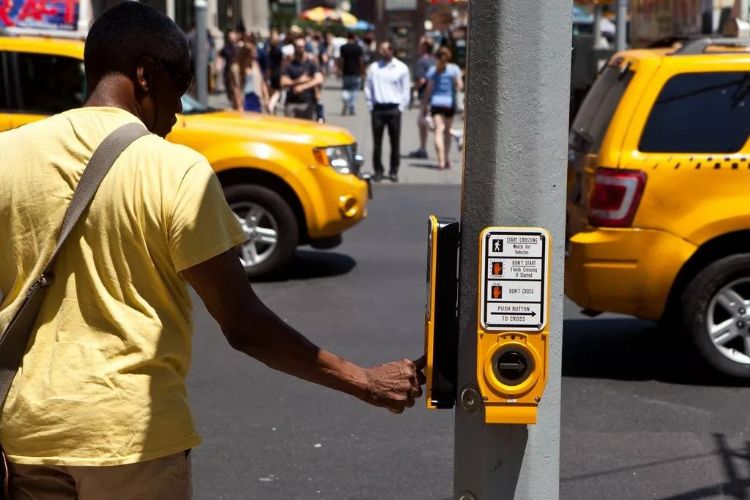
(395, 385)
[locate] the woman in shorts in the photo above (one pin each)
(443, 84)
(254, 91)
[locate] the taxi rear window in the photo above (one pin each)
(592, 120)
(700, 113)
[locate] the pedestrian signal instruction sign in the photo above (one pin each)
(515, 264)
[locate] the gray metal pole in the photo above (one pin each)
(621, 42)
(597, 26)
(201, 51)
(514, 175)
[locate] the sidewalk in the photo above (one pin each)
(411, 171)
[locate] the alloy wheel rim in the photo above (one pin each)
(728, 321)
(262, 232)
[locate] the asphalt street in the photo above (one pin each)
(641, 417)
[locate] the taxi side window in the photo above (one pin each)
(4, 82)
(47, 84)
(700, 113)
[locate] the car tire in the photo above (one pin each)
(270, 214)
(716, 300)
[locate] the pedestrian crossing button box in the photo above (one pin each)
(512, 325)
(441, 312)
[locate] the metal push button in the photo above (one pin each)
(512, 366)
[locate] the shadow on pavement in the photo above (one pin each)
(631, 349)
(733, 460)
(308, 264)
(735, 486)
(428, 166)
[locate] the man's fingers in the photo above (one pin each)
(414, 380)
(400, 385)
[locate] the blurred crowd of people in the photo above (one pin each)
(285, 70)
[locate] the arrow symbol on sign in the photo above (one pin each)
(532, 314)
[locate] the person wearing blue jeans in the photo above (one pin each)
(349, 93)
(351, 66)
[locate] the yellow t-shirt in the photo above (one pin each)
(103, 378)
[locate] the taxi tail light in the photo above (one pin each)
(616, 196)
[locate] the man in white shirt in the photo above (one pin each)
(387, 91)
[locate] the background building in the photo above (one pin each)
(400, 21)
(253, 15)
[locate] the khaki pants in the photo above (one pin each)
(161, 479)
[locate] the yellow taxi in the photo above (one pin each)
(290, 182)
(658, 211)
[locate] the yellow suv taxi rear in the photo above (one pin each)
(289, 182)
(658, 215)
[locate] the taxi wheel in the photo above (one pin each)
(268, 223)
(715, 311)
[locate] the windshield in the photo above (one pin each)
(191, 106)
(592, 120)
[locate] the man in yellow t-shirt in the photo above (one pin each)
(99, 407)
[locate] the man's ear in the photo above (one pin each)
(144, 74)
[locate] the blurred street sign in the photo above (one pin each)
(400, 4)
(40, 14)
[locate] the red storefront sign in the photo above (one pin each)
(40, 14)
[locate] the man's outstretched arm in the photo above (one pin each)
(254, 329)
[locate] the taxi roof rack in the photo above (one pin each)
(699, 45)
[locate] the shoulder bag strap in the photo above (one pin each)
(16, 335)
